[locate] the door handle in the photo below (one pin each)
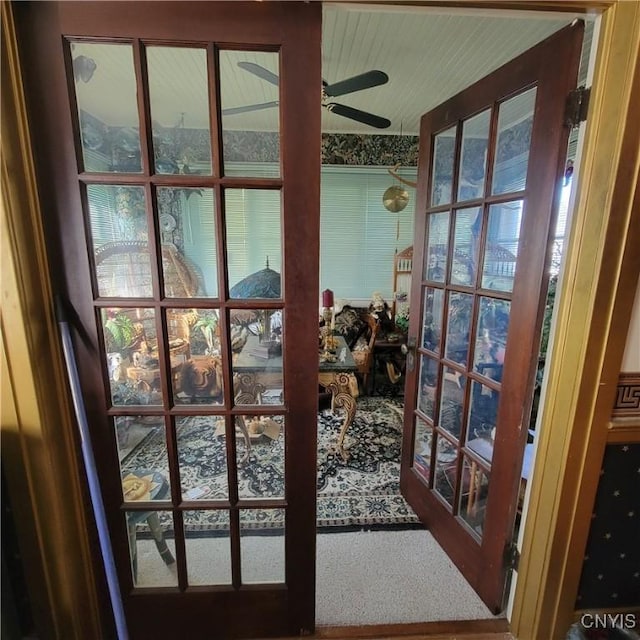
(409, 350)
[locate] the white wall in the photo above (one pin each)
(631, 359)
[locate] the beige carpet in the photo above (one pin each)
(379, 577)
(385, 577)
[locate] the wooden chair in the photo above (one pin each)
(364, 357)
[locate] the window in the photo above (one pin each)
(358, 236)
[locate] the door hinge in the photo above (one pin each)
(577, 106)
(511, 556)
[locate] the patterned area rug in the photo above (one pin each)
(361, 492)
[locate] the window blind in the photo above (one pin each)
(358, 236)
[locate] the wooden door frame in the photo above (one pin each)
(599, 275)
(596, 297)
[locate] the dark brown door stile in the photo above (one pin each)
(51, 35)
(490, 165)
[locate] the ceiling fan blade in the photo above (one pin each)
(259, 71)
(358, 115)
(357, 83)
(250, 107)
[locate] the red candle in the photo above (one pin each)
(327, 298)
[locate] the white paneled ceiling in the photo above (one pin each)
(429, 55)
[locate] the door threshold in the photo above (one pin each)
(489, 629)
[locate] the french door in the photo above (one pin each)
(490, 168)
(173, 206)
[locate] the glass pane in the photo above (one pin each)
(432, 319)
(473, 495)
(119, 235)
(458, 326)
(202, 457)
(254, 243)
(131, 346)
(250, 114)
(109, 130)
(442, 176)
(187, 224)
(422, 449)
(179, 97)
(435, 266)
(142, 451)
(445, 471)
(483, 412)
(452, 401)
(515, 122)
(256, 343)
(262, 556)
(260, 455)
(473, 158)
(152, 548)
(145, 485)
(198, 328)
(501, 250)
(208, 558)
(482, 445)
(428, 382)
(196, 363)
(491, 338)
(210, 522)
(467, 227)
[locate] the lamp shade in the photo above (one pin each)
(261, 284)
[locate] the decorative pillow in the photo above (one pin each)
(349, 325)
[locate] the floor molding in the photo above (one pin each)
(491, 629)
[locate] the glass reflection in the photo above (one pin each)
(458, 326)
(483, 412)
(179, 97)
(491, 338)
(435, 267)
(119, 234)
(442, 175)
(152, 548)
(473, 495)
(262, 557)
(256, 345)
(445, 470)
(422, 449)
(452, 401)
(187, 225)
(249, 96)
(501, 249)
(196, 361)
(467, 228)
(109, 131)
(202, 458)
(144, 485)
(432, 319)
(254, 242)
(473, 158)
(141, 439)
(260, 452)
(133, 368)
(208, 559)
(427, 389)
(515, 123)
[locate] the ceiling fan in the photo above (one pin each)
(362, 81)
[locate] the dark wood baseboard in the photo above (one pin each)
(490, 629)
